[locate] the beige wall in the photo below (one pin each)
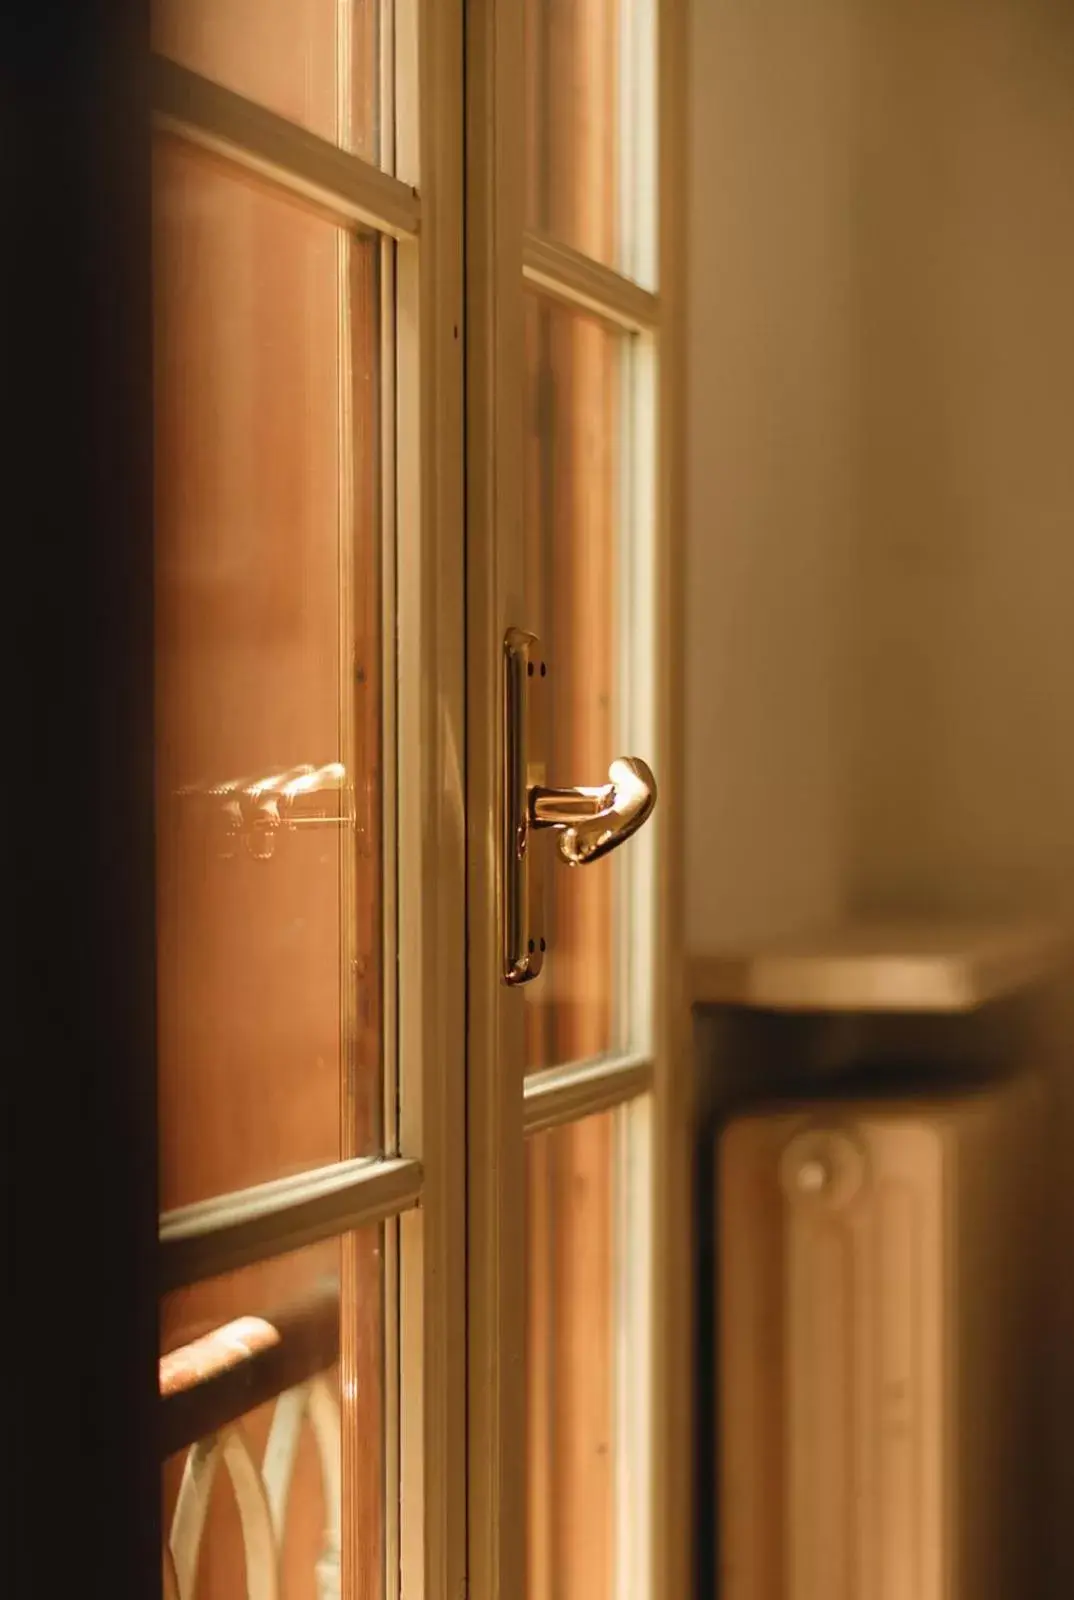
(962, 748)
(881, 494)
(771, 485)
(881, 497)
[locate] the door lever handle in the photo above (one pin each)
(590, 822)
(593, 821)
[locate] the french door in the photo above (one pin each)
(578, 1141)
(423, 1236)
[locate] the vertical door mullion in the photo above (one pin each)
(430, 799)
(495, 591)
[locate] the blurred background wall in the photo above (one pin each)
(881, 489)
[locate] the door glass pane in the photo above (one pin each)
(273, 1417)
(574, 385)
(590, 140)
(571, 1361)
(267, 694)
(314, 62)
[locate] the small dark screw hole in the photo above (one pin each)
(544, 669)
(529, 668)
(532, 947)
(543, 945)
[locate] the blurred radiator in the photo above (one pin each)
(876, 1384)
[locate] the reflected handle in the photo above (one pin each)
(257, 810)
(593, 821)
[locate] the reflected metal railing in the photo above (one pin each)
(207, 1388)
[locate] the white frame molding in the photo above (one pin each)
(496, 1179)
(582, 1089)
(577, 280)
(430, 801)
(247, 134)
(221, 1235)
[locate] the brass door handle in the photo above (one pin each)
(590, 821)
(593, 821)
